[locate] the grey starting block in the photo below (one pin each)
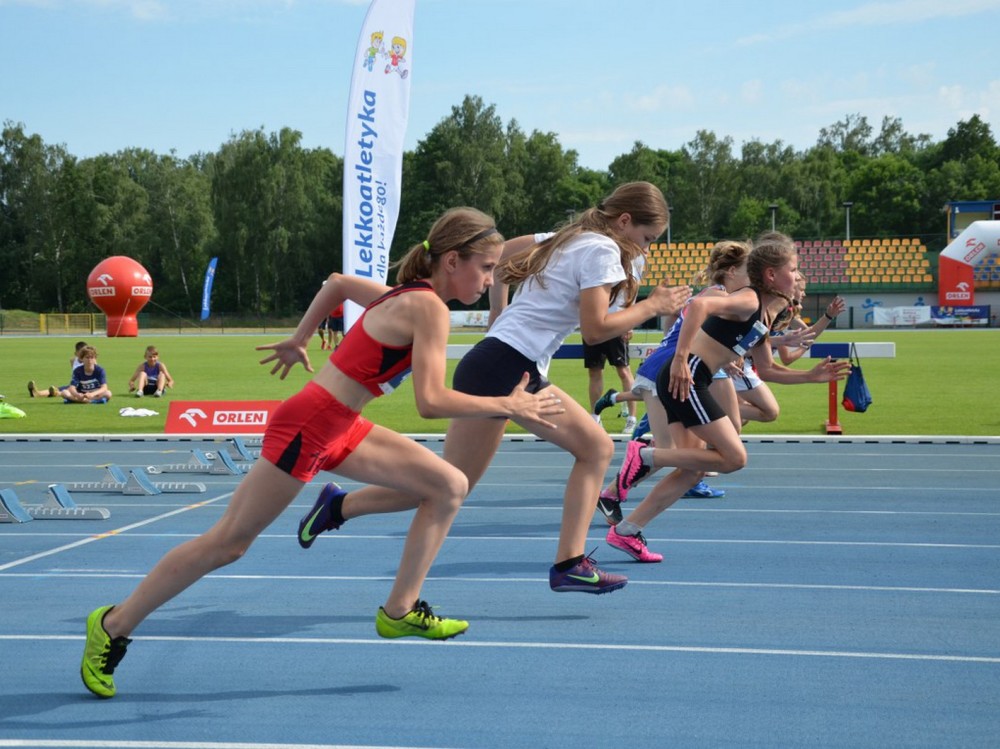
(225, 465)
(197, 463)
(217, 463)
(135, 482)
(238, 450)
(11, 509)
(59, 505)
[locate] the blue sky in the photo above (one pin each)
(184, 75)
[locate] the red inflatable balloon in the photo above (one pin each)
(120, 287)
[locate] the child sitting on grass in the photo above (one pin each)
(150, 377)
(89, 383)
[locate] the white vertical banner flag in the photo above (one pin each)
(377, 110)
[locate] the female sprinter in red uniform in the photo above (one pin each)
(321, 429)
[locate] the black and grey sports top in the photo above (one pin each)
(738, 335)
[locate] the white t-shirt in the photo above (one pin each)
(538, 319)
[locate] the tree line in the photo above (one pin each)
(271, 210)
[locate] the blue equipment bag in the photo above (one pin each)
(857, 396)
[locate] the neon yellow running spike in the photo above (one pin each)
(420, 622)
(101, 655)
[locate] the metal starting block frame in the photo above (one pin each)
(226, 466)
(59, 505)
(233, 459)
(238, 450)
(198, 462)
(135, 482)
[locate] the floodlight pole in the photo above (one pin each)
(847, 208)
(774, 213)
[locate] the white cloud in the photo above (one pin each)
(898, 13)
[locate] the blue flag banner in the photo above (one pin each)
(377, 111)
(206, 291)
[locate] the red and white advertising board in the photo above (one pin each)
(215, 417)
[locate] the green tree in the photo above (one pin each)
(260, 205)
(888, 193)
(178, 228)
(706, 187)
(33, 234)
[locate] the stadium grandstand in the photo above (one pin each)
(897, 264)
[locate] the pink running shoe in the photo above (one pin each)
(634, 546)
(632, 468)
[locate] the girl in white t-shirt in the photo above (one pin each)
(564, 281)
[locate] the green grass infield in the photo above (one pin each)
(942, 382)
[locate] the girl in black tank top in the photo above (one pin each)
(717, 331)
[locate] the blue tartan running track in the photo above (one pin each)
(844, 593)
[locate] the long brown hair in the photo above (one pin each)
(771, 250)
(466, 230)
(643, 201)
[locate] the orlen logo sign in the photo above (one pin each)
(962, 294)
(976, 248)
(139, 291)
(256, 418)
(209, 417)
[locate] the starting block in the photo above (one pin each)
(238, 450)
(135, 482)
(197, 463)
(59, 505)
(217, 463)
(225, 465)
(11, 509)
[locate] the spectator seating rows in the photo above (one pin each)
(987, 273)
(887, 261)
(853, 262)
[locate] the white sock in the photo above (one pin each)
(646, 453)
(625, 528)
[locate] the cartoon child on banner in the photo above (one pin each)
(397, 57)
(373, 51)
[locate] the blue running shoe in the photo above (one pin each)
(701, 490)
(605, 401)
(322, 516)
